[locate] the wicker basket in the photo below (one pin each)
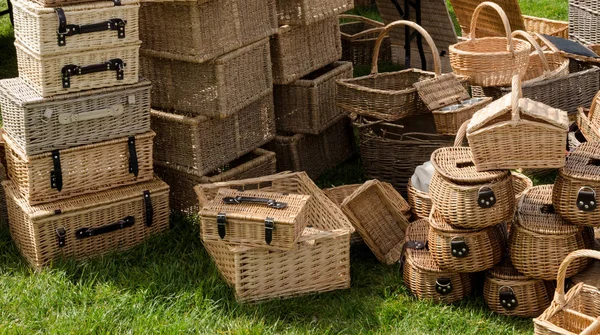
(306, 12)
(80, 170)
(464, 250)
(577, 312)
(359, 35)
(377, 215)
(589, 130)
(421, 274)
(521, 184)
(204, 144)
(217, 88)
(490, 61)
(39, 125)
(538, 228)
(419, 201)
(3, 210)
(307, 105)
(73, 72)
(92, 25)
(584, 19)
(466, 198)
(87, 226)
(314, 154)
(574, 193)
(515, 132)
(507, 292)
(181, 180)
(542, 64)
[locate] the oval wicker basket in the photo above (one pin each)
(542, 64)
(421, 274)
(419, 201)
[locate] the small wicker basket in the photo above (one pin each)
(306, 12)
(419, 201)
(359, 35)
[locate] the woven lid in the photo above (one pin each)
(438, 223)
(584, 162)
(421, 258)
(456, 164)
(506, 271)
(441, 91)
(99, 5)
(536, 213)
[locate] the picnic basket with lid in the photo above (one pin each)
(359, 34)
(306, 12)
(539, 228)
(423, 277)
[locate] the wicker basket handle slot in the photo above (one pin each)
(510, 46)
(559, 296)
(437, 63)
(460, 135)
(377, 26)
(537, 47)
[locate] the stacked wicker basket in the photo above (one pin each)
(77, 133)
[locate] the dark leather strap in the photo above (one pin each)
(89, 232)
(65, 29)
(586, 199)
(221, 222)
(459, 248)
(148, 208)
(487, 198)
(71, 70)
(56, 179)
(255, 200)
(269, 226)
(61, 234)
(507, 297)
(133, 158)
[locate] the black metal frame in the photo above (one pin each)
(408, 36)
(8, 11)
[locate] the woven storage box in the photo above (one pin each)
(419, 201)
(314, 154)
(63, 73)
(217, 88)
(204, 144)
(92, 25)
(306, 12)
(181, 180)
(422, 275)
(377, 215)
(574, 193)
(80, 170)
(40, 125)
(584, 21)
(307, 105)
(507, 292)
(538, 228)
(87, 226)
(466, 198)
(358, 40)
(298, 51)
(464, 250)
(515, 132)
(204, 29)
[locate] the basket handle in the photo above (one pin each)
(503, 16)
(516, 95)
(437, 63)
(537, 47)
(377, 26)
(460, 135)
(559, 297)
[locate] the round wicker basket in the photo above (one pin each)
(419, 201)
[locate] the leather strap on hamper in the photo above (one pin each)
(61, 234)
(507, 298)
(133, 159)
(269, 226)
(89, 232)
(71, 70)
(65, 29)
(148, 208)
(586, 199)
(56, 180)
(221, 222)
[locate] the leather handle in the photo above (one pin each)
(89, 232)
(265, 201)
(68, 118)
(71, 70)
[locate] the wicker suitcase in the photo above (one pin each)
(87, 226)
(62, 174)
(306, 12)
(39, 125)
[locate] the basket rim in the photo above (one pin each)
(521, 47)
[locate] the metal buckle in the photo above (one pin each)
(487, 198)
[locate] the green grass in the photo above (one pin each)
(169, 285)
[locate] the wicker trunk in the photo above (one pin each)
(87, 226)
(38, 125)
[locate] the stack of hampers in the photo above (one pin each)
(77, 133)
(313, 135)
(212, 95)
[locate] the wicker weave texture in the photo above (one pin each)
(358, 40)
(591, 131)
(85, 169)
(584, 20)
(39, 125)
(3, 210)
(300, 50)
(306, 12)
(205, 29)
(521, 184)
(419, 201)
(204, 144)
(34, 228)
(307, 105)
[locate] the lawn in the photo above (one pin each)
(169, 284)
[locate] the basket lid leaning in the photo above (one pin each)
(536, 213)
(456, 164)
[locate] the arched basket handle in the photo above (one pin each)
(559, 297)
(510, 46)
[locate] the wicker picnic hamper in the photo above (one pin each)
(74, 28)
(490, 61)
(299, 50)
(38, 125)
(306, 12)
(217, 88)
(377, 215)
(578, 311)
(574, 193)
(423, 277)
(542, 64)
(182, 180)
(270, 220)
(87, 226)
(307, 105)
(466, 198)
(538, 228)
(204, 29)
(419, 201)
(584, 20)
(62, 174)
(204, 144)
(521, 184)
(358, 40)
(515, 132)
(464, 250)
(507, 292)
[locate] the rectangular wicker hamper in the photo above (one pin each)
(305, 12)
(39, 125)
(584, 21)
(217, 88)
(80, 170)
(257, 163)
(307, 105)
(87, 226)
(204, 144)
(205, 29)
